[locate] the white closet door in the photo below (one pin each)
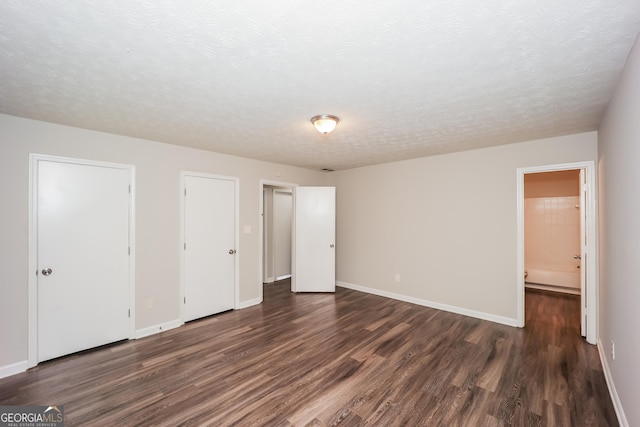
(210, 250)
(83, 256)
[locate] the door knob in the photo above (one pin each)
(332, 245)
(47, 271)
(577, 257)
(232, 251)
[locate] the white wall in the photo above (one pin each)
(158, 169)
(446, 224)
(619, 174)
(268, 265)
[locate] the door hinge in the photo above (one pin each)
(185, 246)
(129, 188)
(129, 313)
(185, 192)
(185, 300)
(129, 251)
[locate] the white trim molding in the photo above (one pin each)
(156, 329)
(431, 304)
(615, 399)
(14, 368)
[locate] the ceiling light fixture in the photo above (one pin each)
(325, 123)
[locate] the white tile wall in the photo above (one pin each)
(552, 233)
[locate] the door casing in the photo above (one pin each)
(34, 160)
(589, 298)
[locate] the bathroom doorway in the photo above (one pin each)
(552, 243)
(556, 257)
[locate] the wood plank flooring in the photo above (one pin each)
(349, 359)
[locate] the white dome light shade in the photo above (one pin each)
(325, 123)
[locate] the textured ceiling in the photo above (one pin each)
(407, 78)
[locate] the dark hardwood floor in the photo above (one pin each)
(346, 359)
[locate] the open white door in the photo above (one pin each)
(314, 240)
(583, 254)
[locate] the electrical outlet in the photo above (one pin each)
(149, 303)
(398, 278)
(613, 351)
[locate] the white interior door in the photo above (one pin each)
(583, 254)
(315, 231)
(82, 256)
(209, 246)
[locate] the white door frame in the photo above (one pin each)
(590, 291)
(263, 183)
(236, 207)
(34, 159)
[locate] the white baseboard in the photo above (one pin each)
(14, 368)
(269, 280)
(151, 330)
(622, 418)
(450, 308)
(285, 276)
(156, 329)
(248, 303)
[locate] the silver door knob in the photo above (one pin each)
(232, 251)
(332, 245)
(47, 271)
(577, 257)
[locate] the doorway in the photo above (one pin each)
(277, 233)
(81, 255)
(274, 249)
(552, 231)
(585, 258)
(312, 238)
